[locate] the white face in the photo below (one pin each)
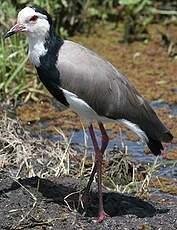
(36, 24)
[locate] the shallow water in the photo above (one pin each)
(162, 105)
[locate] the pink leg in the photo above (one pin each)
(105, 138)
(104, 144)
(98, 166)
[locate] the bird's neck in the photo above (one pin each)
(42, 44)
(36, 48)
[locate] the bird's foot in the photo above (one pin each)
(102, 216)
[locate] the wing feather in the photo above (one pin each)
(106, 90)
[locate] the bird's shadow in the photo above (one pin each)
(115, 204)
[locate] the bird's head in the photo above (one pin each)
(33, 20)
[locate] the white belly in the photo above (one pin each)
(80, 107)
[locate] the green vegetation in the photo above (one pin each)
(17, 79)
(138, 14)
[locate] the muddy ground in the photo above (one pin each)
(35, 203)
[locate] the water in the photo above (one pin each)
(163, 105)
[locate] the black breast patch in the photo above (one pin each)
(48, 72)
(50, 79)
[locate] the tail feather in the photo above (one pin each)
(155, 146)
(167, 136)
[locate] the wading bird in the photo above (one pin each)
(90, 85)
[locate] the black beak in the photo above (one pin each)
(8, 34)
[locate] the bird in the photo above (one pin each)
(91, 86)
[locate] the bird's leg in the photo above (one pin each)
(86, 193)
(98, 165)
(105, 138)
(104, 144)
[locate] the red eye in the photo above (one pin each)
(34, 18)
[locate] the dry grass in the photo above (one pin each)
(23, 155)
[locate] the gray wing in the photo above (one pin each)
(105, 89)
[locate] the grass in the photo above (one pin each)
(17, 77)
(30, 156)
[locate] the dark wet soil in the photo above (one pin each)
(36, 203)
